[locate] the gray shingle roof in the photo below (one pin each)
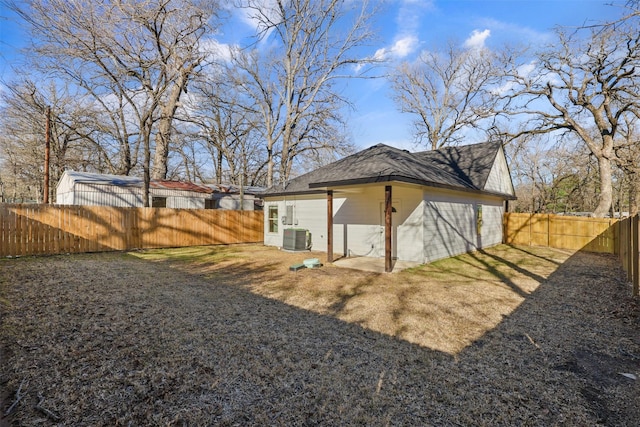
(464, 168)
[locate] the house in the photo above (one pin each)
(85, 188)
(228, 196)
(387, 202)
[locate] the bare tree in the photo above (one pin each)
(132, 58)
(628, 159)
(292, 85)
(551, 178)
(447, 92)
(22, 120)
(226, 123)
(585, 86)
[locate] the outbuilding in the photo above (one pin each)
(391, 203)
(86, 188)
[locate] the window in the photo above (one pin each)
(159, 202)
(273, 219)
(289, 218)
(209, 204)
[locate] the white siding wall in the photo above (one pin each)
(65, 198)
(430, 224)
(358, 222)
(411, 233)
(499, 180)
(64, 195)
(309, 212)
(64, 184)
(450, 223)
(492, 217)
(105, 195)
(233, 202)
(185, 202)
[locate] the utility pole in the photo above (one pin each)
(47, 145)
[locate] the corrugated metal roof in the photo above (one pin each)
(235, 189)
(133, 181)
(105, 179)
(179, 185)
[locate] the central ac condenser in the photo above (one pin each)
(296, 239)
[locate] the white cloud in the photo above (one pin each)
(408, 21)
(477, 39)
(216, 50)
(398, 50)
(404, 46)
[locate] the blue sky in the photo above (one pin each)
(432, 23)
(404, 28)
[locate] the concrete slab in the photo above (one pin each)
(375, 265)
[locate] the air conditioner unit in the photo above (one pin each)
(296, 239)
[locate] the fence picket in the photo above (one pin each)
(635, 256)
(602, 235)
(38, 229)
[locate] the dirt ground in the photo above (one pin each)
(229, 336)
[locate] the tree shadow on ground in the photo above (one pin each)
(109, 340)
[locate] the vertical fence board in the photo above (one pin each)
(2, 226)
(563, 232)
(602, 235)
(40, 229)
(636, 254)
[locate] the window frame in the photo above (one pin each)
(272, 219)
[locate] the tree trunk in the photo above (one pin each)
(270, 165)
(606, 187)
(146, 199)
(163, 137)
(161, 155)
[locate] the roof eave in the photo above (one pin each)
(322, 187)
(389, 178)
(291, 193)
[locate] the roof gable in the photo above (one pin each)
(471, 163)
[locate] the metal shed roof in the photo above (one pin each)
(104, 179)
(180, 186)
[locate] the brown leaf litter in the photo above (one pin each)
(229, 336)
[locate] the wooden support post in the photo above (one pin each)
(388, 264)
(329, 225)
(636, 254)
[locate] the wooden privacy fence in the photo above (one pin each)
(602, 235)
(629, 250)
(29, 229)
(562, 232)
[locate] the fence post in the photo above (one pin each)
(635, 254)
(628, 247)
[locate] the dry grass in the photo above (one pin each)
(228, 336)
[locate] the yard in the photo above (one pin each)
(227, 335)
